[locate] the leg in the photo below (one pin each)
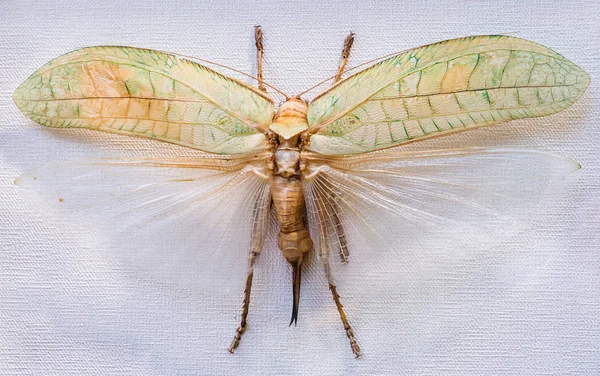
(340, 308)
(258, 37)
(324, 252)
(243, 322)
(262, 208)
(345, 55)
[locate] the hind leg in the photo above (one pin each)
(324, 212)
(262, 208)
(336, 298)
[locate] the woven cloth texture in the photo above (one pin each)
(527, 304)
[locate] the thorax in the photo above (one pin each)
(288, 124)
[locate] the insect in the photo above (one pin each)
(327, 168)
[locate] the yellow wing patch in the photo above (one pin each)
(440, 88)
(149, 94)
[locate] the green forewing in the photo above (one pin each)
(150, 94)
(439, 88)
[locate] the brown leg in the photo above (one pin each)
(345, 55)
(336, 298)
(347, 327)
(243, 322)
(324, 252)
(262, 208)
(258, 37)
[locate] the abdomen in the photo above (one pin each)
(288, 201)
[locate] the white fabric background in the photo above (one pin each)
(528, 305)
